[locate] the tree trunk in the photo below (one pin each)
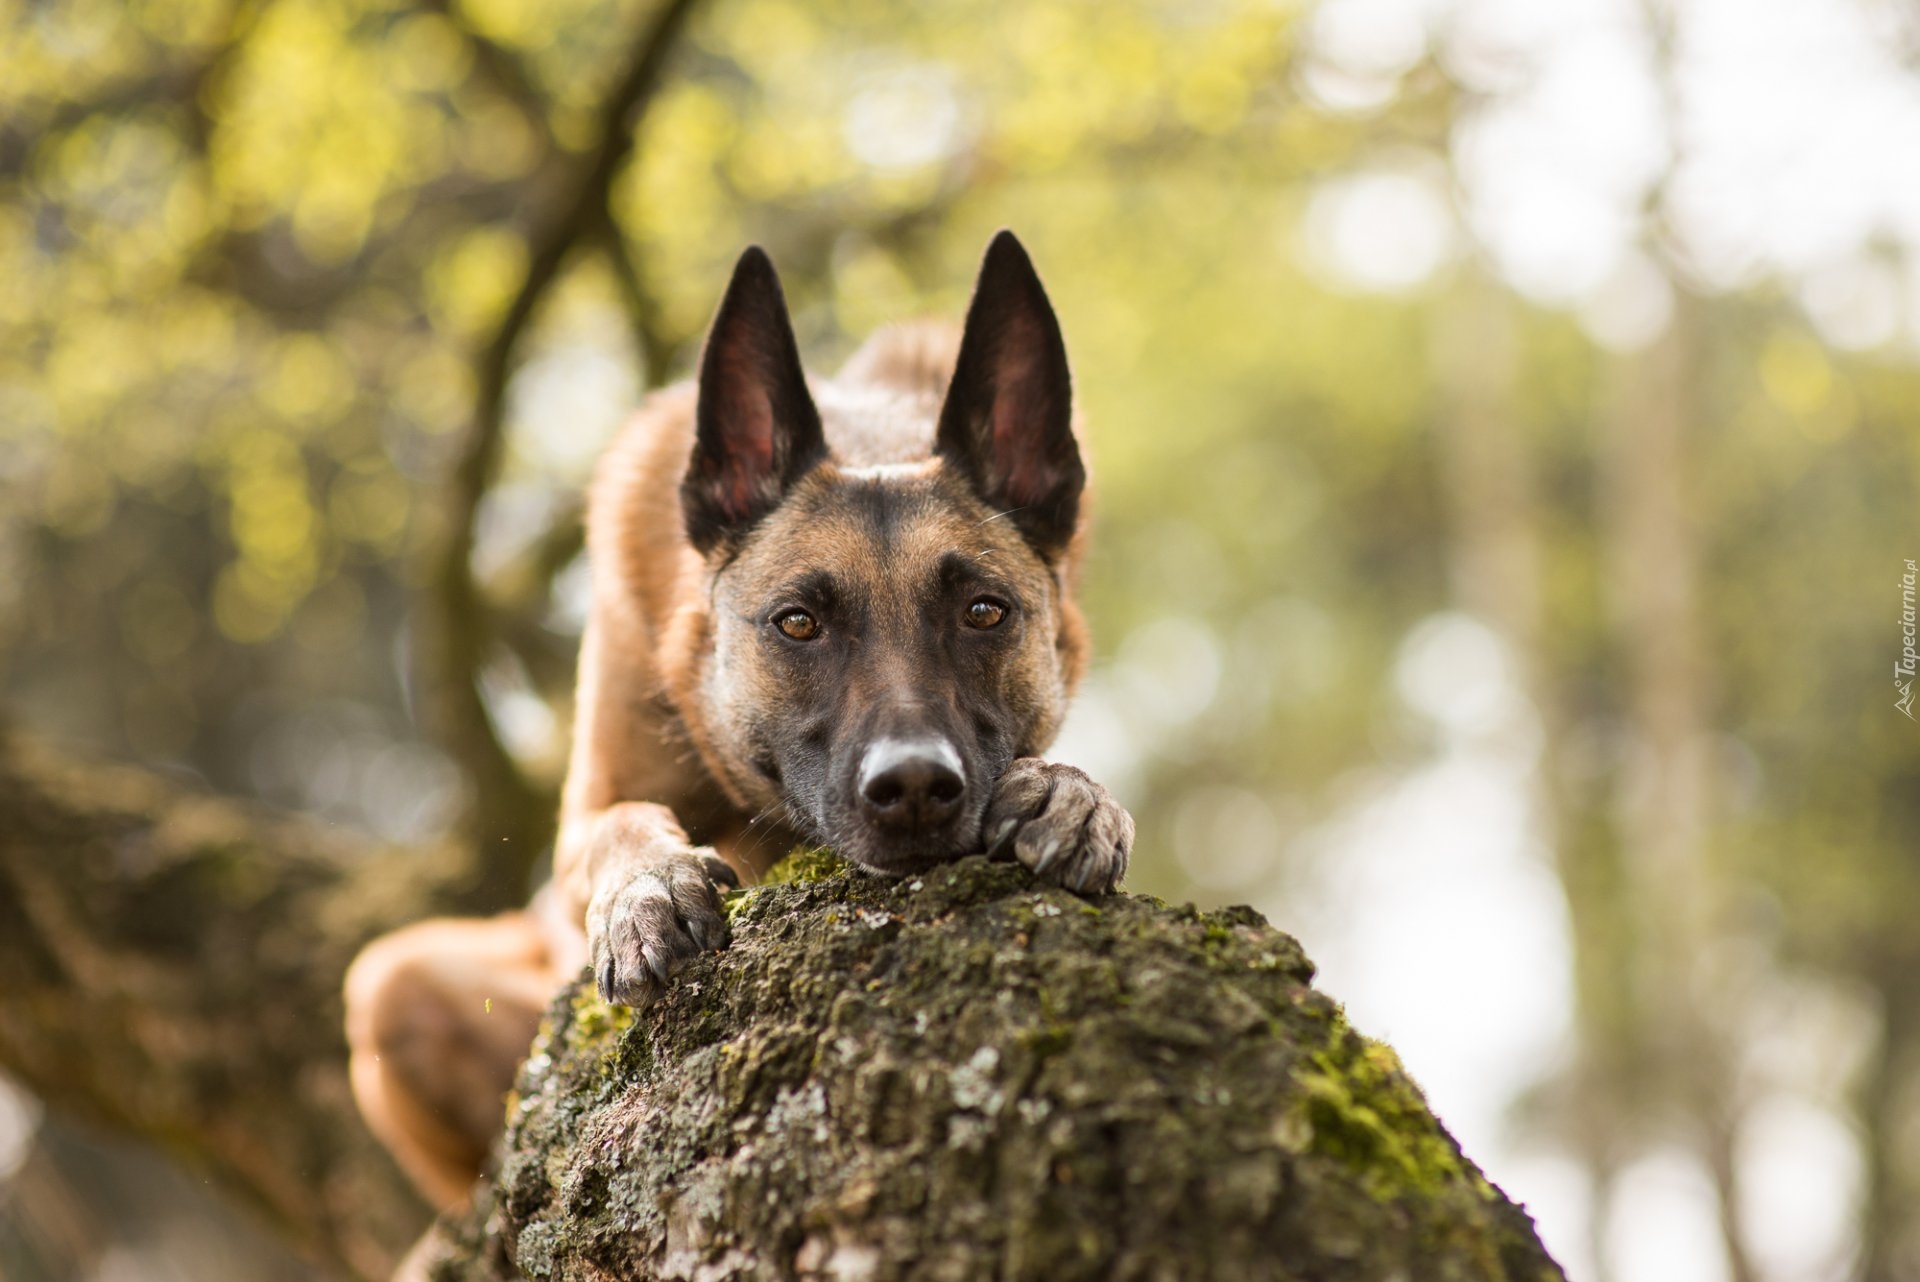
(965, 1075)
(170, 966)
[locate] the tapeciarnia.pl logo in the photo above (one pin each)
(1903, 668)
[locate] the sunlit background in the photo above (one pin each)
(1506, 424)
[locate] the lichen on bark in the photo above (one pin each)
(968, 1075)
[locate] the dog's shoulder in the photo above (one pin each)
(635, 536)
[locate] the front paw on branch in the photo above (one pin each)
(1061, 824)
(645, 929)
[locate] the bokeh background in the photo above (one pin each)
(1506, 419)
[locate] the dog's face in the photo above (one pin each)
(885, 641)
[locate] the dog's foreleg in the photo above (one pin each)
(649, 898)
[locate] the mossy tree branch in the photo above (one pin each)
(172, 969)
(966, 1075)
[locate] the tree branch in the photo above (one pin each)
(514, 816)
(655, 352)
(173, 967)
(501, 66)
(182, 84)
(968, 1075)
(21, 136)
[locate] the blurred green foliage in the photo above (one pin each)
(259, 256)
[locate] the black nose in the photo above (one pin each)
(911, 783)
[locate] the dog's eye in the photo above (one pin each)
(985, 613)
(798, 625)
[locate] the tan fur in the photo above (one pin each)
(435, 1014)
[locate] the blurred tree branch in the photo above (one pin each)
(183, 84)
(520, 598)
(501, 66)
(1886, 1226)
(514, 815)
(173, 967)
(21, 136)
(653, 348)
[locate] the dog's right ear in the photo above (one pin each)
(756, 428)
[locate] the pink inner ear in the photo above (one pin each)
(747, 425)
(1019, 453)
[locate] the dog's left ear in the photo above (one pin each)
(1007, 424)
(756, 428)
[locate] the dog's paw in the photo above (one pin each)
(644, 929)
(1061, 824)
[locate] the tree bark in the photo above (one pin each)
(966, 1075)
(170, 966)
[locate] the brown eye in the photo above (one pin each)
(985, 613)
(798, 625)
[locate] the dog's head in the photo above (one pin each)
(886, 640)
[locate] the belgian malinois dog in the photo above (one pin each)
(838, 611)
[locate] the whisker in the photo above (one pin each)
(760, 835)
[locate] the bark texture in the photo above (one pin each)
(170, 967)
(966, 1075)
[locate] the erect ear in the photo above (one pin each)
(1007, 424)
(756, 428)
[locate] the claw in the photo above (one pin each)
(655, 962)
(645, 931)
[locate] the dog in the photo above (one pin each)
(837, 611)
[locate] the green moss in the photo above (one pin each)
(1047, 1042)
(1367, 1113)
(594, 1023)
(803, 866)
